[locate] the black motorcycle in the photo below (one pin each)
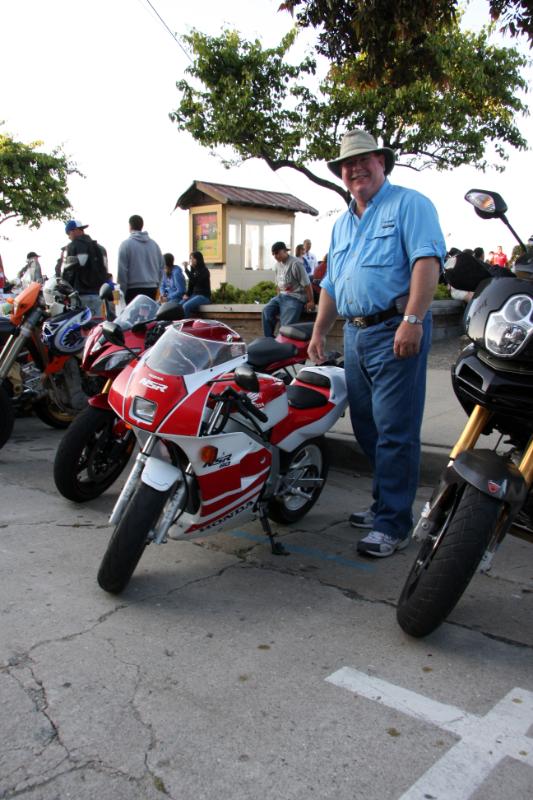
(482, 494)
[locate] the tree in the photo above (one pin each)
(378, 27)
(33, 184)
(259, 105)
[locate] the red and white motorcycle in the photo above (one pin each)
(218, 441)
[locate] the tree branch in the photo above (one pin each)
(276, 164)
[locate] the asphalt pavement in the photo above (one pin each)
(226, 673)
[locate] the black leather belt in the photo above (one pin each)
(373, 319)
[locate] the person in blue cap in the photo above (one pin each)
(84, 265)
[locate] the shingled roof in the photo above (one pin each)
(200, 192)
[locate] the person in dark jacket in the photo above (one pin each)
(140, 262)
(199, 285)
(76, 263)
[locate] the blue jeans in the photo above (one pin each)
(386, 397)
(288, 309)
(194, 302)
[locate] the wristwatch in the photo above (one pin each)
(412, 319)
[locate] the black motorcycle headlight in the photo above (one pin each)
(117, 360)
(508, 329)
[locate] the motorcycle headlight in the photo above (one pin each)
(508, 329)
(117, 360)
(144, 409)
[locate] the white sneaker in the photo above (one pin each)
(380, 545)
(362, 519)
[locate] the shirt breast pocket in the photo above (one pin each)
(379, 249)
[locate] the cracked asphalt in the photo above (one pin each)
(207, 677)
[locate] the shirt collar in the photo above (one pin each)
(376, 199)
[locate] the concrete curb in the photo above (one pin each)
(345, 454)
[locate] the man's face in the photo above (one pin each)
(364, 175)
(307, 245)
(74, 233)
(281, 256)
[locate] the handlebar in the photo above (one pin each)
(251, 408)
(241, 399)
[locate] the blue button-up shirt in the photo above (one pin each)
(370, 259)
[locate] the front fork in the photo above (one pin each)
(16, 343)
(133, 478)
(507, 483)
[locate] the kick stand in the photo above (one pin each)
(278, 549)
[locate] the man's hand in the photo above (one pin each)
(407, 340)
(316, 350)
(309, 306)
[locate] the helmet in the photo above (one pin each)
(55, 290)
(62, 334)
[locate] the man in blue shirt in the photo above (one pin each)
(383, 266)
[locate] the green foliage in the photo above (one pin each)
(461, 111)
(228, 294)
(33, 184)
(442, 292)
(377, 28)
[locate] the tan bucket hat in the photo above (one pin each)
(357, 143)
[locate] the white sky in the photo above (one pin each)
(99, 78)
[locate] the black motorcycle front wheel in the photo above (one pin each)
(130, 538)
(446, 563)
(7, 416)
(308, 461)
(91, 455)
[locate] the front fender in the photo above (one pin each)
(492, 475)
(160, 475)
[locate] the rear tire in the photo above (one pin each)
(445, 566)
(90, 457)
(307, 461)
(130, 538)
(51, 414)
(7, 416)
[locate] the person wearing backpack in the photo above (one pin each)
(140, 262)
(84, 265)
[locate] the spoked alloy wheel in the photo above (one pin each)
(92, 454)
(297, 497)
(446, 563)
(51, 414)
(130, 538)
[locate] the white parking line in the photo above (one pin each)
(484, 741)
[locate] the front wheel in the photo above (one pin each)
(298, 493)
(446, 563)
(51, 414)
(130, 537)
(92, 454)
(7, 415)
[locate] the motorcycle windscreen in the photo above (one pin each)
(177, 353)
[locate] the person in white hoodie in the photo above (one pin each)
(140, 262)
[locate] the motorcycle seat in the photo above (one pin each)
(301, 331)
(265, 350)
(314, 378)
(302, 397)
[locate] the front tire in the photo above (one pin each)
(90, 456)
(446, 563)
(130, 538)
(7, 416)
(307, 461)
